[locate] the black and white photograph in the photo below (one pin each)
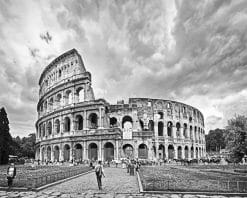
(123, 98)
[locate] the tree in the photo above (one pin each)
(5, 137)
(236, 137)
(215, 140)
(28, 146)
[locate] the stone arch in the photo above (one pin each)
(78, 122)
(128, 151)
(108, 151)
(186, 152)
(43, 154)
(126, 119)
(185, 132)
(169, 128)
(48, 153)
(43, 129)
(179, 152)
(171, 152)
(56, 153)
(143, 151)
(49, 128)
(68, 97)
(67, 124)
(78, 152)
(80, 94)
(113, 122)
(161, 151)
(66, 153)
(92, 151)
(93, 121)
(51, 104)
(178, 127)
(160, 128)
(192, 152)
(191, 132)
(59, 99)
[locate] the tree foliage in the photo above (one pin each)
(215, 140)
(5, 137)
(24, 147)
(236, 137)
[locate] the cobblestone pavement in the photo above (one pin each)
(117, 184)
(116, 181)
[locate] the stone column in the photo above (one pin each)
(183, 152)
(175, 152)
(181, 131)
(61, 158)
(166, 152)
(100, 157)
(85, 120)
(84, 150)
(100, 118)
(165, 129)
(61, 125)
(174, 131)
(117, 151)
(189, 152)
(52, 154)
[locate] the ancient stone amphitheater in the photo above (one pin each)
(73, 125)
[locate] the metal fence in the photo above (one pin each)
(32, 182)
(194, 186)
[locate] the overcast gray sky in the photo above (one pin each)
(190, 51)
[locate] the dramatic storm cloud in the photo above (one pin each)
(190, 51)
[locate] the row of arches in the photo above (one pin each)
(48, 129)
(63, 98)
(76, 153)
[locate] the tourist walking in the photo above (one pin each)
(99, 173)
(11, 173)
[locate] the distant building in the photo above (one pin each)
(72, 124)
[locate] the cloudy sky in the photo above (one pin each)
(190, 51)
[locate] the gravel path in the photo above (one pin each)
(116, 181)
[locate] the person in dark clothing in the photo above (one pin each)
(99, 172)
(11, 173)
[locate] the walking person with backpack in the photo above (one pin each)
(99, 172)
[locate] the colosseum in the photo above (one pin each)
(73, 125)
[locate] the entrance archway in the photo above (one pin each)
(128, 151)
(66, 154)
(93, 151)
(108, 151)
(78, 152)
(179, 152)
(186, 152)
(170, 152)
(161, 152)
(143, 151)
(192, 152)
(48, 153)
(56, 154)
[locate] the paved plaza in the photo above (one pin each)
(116, 184)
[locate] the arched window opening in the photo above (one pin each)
(48, 153)
(66, 124)
(191, 132)
(186, 152)
(151, 125)
(68, 97)
(57, 126)
(113, 122)
(179, 152)
(169, 106)
(128, 151)
(78, 153)
(51, 104)
(161, 115)
(80, 95)
(185, 131)
(45, 106)
(178, 129)
(56, 154)
(49, 128)
(108, 152)
(92, 151)
(93, 121)
(59, 73)
(126, 120)
(169, 128)
(66, 153)
(160, 128)
(142, 151)
(79, 122)
(59, 100)
(43, 130)
(171, 152)
(190, 119)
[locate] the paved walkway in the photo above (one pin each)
(117, 184)
(116, 181)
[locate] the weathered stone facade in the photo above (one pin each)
(72, 124)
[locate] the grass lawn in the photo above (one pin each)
(194, 178)
(33, 177)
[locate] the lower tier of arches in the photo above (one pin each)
(108, 150)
